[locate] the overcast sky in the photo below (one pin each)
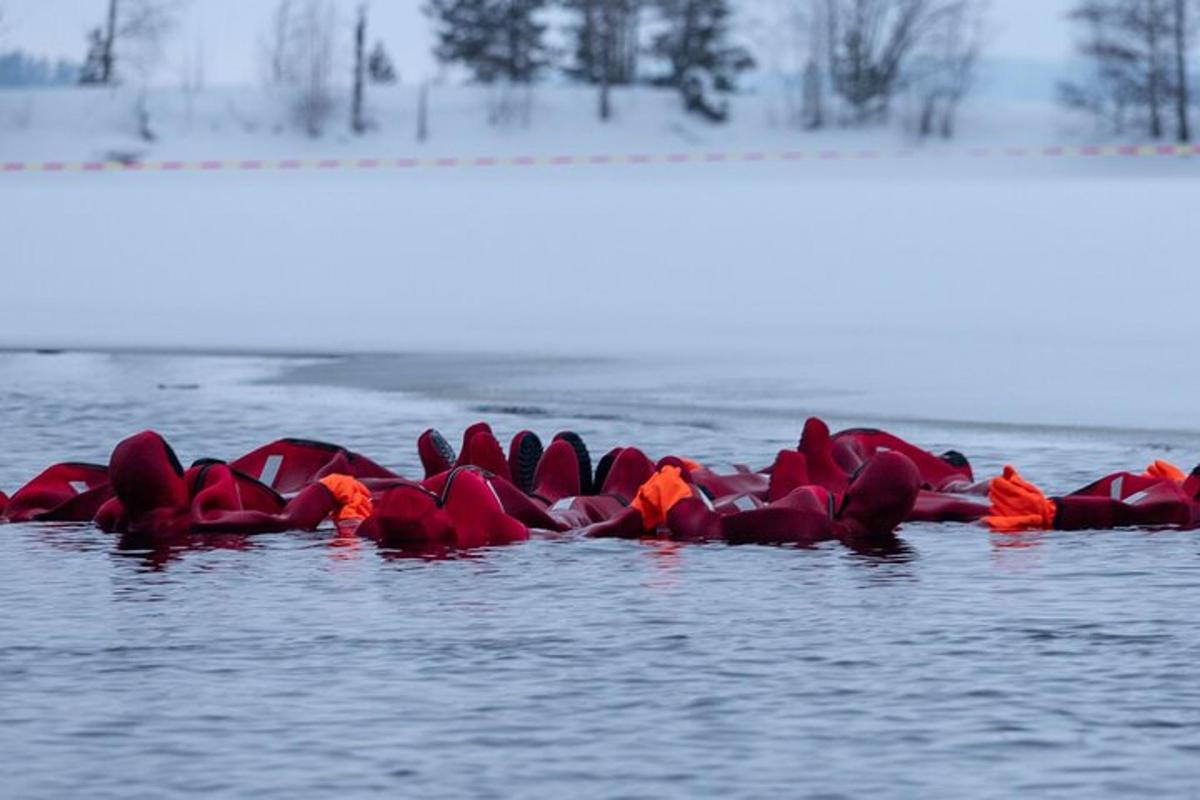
(230, 31)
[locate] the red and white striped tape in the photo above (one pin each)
(328, 164)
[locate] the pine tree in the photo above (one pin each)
(496, 40)
(698, 54)
(604, 37)
(380, 68)
(92, 72)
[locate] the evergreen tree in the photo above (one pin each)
(380, 68)
(496, 40)
(93, 71)
(604, 37)
(696, 44)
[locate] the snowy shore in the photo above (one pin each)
(254, 123)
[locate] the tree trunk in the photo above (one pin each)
(423, 113)
(1154, 36)
(589, 39)
(631, 32)
(109, 59)
(607, 40)
(357, 122)
(605, 99)
(1183, 94)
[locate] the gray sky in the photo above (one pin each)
(230, 31)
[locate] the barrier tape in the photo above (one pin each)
(331, 164)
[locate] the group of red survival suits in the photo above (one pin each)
(856, 486)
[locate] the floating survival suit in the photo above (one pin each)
(62, 493)
(945, 473)
(465, 515)
(874, 504)
(859, 484)
(154, 495)
(1159, 498)
(289, 465)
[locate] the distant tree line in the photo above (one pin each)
(842, 62)
(688, 45)
(856, 56)
(857, 60)
(1139, 57)
(18, 68)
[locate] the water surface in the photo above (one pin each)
(953, 664)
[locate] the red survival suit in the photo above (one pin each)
(290, 465)
(155, 496)
(874, 504)
(62, 493)
(1158, 498)
(948, 491)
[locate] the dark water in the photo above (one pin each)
(955, 664)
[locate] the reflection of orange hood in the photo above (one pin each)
(147, 476)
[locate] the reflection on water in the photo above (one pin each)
(946, 663)
(156, 552)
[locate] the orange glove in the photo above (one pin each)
(1018, 505)
(1166, 470)
(352, 498)
(657, 496)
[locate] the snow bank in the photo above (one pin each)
(249, 123)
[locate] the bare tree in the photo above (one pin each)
(133, 32)
(793, 36)
(192, 79)
(300, 51)
(944, 67)
(1139, 51)
(813, 108)
(781, 32)
(279, 44)
(869, 44)
(1182, 43)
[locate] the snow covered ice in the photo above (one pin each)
(1031, 290)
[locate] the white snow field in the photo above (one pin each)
(1059, 291)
